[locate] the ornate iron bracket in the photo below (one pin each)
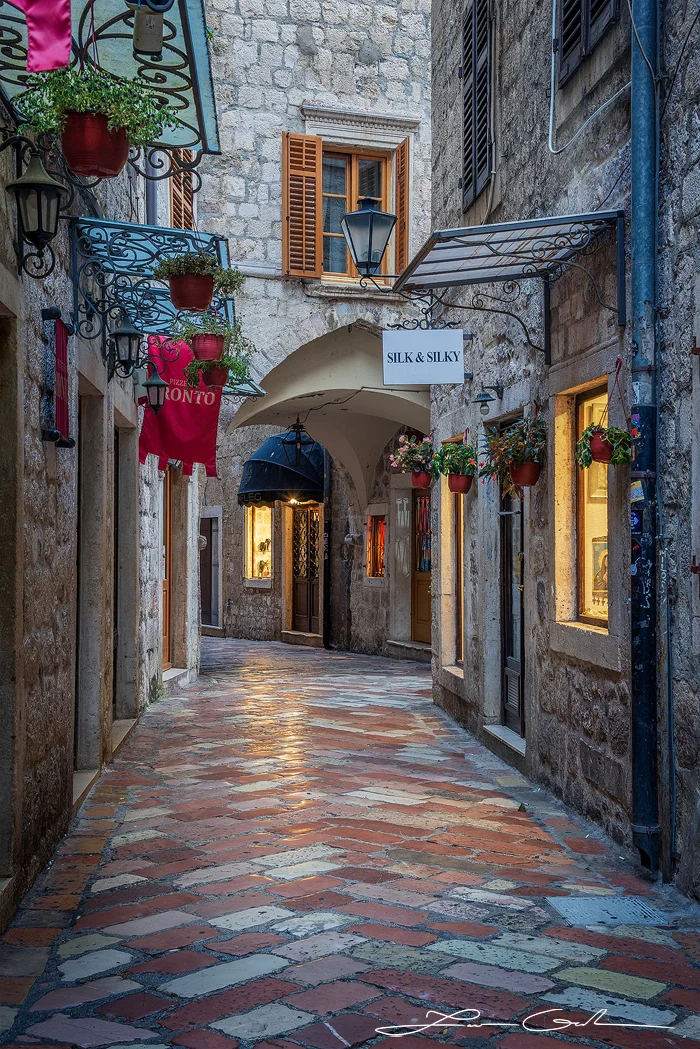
(427, 302)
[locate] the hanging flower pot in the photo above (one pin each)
(601, 448)
(459, 483)
(216, 377)
(604, 444)
(525, 474)
(90, 148)
(191, 291)
(421, 479)
(208, 347)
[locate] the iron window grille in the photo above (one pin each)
(582, 25)
(476, 100)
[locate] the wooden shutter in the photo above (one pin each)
(182, 195)
(572, 22)
(402, 183)
(302, 245)
(602, 13)
(476, 100)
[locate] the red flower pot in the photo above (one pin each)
(421, 479)
(208, 347)
(191, 291)
(90, 148)
(601, 449)
(459, 483)
(217, 377)
(526, 474)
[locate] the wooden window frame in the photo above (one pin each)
(477, 59)
(458, 554)
(354, 156)
(372, 547)
(598, 621)
(594, 18)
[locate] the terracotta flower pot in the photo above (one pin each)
(208, 347)
(191, 291)
(217, 377)
(421, 479)
(459, 483)
(601, 449)
(90, 148)
(526, 474)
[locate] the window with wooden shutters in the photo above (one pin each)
(301, 205)
(476, 100)
(402, 184)
(182, 195)
(582, 24)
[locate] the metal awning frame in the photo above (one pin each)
(505, 254)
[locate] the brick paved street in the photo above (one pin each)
(301, 849)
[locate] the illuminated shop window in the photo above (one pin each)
(592, 519)
(376, 541)
(258, 542)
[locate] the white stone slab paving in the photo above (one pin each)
(292, 856)
(134, 835)
(302, 870)
(496, 899)
(92, 941)
(223, 873)
(622, 983)
(158, 922)
(317, 921)
(318, 946)
(503, 957)
(93, 963)
(118, 882)
(251, 918)
(217, 977)
(88, 1031)
(266, 1021)
(565, 949)
(590, 1002)
(146, 814)
(7, 1018)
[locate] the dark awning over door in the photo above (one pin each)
(272, 472)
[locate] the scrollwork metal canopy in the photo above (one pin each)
(181, 76)
(112, 274)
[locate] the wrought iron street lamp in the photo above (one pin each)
(127, 343)
(156, 389)
(367, 233)
(38, 197)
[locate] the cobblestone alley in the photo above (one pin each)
(300, 849)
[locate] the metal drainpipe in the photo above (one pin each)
(643, 220)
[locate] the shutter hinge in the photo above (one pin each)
(555, 45)
(460, 72)
(460, 182)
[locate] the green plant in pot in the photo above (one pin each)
(220, 349)
(603, 444)
(415, 454)
(194, 276)
(514, 456)
(97, 115)
(459, 463)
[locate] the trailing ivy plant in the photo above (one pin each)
(413, 453)
(127, 104)
(620, 440)
(237, 349)
(236, 366)
(454, 458)
(523, 442)
(199, 264)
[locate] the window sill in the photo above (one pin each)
(374, 580)
(586, 643)
(326, 289)
(258, 584)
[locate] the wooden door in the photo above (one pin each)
(167, 541)
(421, 613)
(512, 636)
(306, 570)
(206, 563)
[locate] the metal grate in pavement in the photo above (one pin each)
(606, 910)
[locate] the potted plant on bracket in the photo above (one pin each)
(98, 116)
(219, 347)
(459, 462)
(194, 276)
(515, 456)
(415, 454)
(603, 444)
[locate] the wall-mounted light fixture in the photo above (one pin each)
(367, 233)
(156, 389)
(38, 198)
(485, 400)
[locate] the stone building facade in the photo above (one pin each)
(573, 727)
(354, 78)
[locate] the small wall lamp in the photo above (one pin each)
(484, 398)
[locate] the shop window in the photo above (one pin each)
(258, 542)
(320, 184)
(592, 519)
(376, 543)
(458, 556)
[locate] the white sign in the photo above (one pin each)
(423, 358)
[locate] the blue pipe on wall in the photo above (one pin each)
(643, 241)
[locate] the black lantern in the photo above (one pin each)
(127, 341)
(485, 400)
(38, 197)
(367, 233)
(155, 388)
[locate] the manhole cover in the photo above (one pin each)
(607, 910)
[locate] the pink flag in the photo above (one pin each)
(48, 33)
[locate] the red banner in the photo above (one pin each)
(61, 380)
(186, 426)
(48, 33)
